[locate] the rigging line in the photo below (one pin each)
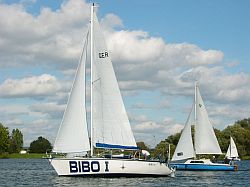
(96, 80)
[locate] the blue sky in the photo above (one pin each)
(222, 25)
(168, 45)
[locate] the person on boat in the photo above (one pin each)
(214, 159)
(166, 159)
(226, 160)
(146, 154)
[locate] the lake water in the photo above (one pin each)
(38, 172)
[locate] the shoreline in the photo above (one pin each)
(23, 156)
(43, 155)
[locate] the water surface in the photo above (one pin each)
(38, 172)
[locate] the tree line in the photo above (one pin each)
(10, 143)
(13, 142)
(240, 131)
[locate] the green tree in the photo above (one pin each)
(4, 139)
(173, 139)
(41, 145)
(245, 123)
(16, 141)
(161, 149)
(142, 145)
(241, 137)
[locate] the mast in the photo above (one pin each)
(230, 147)
(195, 102)
(91, 79)
(168, 153)
(195, 112)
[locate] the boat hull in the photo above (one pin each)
(103, 167)
(233, 159)
(204, 167)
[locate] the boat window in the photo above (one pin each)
(197, 161)
(180, 154)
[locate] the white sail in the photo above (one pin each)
(72, 136)
(184, 148)
(205, 139)
(111, 127)
(232, 150)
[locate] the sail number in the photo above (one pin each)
(103, 55)
(86, 166)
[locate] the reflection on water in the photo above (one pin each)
(38, 172)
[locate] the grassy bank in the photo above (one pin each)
(17, 155)
(246, 158)
(40, 155)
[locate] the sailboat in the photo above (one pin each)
(205, 141)
(232, 152)
(109, 125)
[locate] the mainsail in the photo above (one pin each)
(73, 136)
(232, 149)
(205, 139)
(111, 127)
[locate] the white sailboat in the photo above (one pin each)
(110, 127)
(232, 152)
(205, 141)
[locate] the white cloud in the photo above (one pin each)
(148, 126)
(43, 85)
(220, 86)
(111, 21)
(137, 118)
(134, 46)
(53, 110)
(176, 128)
(40, 127)
(167, 126)
(32, 129)
(52, 37)
(135, 85)
(225, 112)
(14, 110)
(152, 132)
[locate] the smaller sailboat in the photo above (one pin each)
(232, 152)
(205, 141)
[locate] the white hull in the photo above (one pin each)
(108, 167)
(233, 159)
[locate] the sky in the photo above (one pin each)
(158, 49)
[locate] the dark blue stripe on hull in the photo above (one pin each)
(112, 146)
(202, 167)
